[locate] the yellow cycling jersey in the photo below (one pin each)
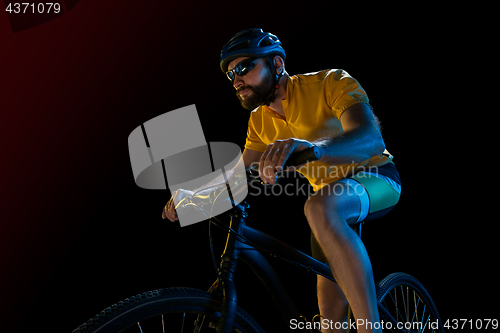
(313, 105)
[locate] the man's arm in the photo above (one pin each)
(360, 141)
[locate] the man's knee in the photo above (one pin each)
(325, 204)
(314, 206)
(336, 203)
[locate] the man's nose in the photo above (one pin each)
(238, 81)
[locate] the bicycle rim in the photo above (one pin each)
(167, 310)
(409, 303)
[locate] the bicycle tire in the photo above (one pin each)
(402, 287)
(149, 307)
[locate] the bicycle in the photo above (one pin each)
(404, 304)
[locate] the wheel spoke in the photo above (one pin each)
(415, 313)
(402, 296)
(405, 305)
(423, 315)
(425, 325)
(395, 302)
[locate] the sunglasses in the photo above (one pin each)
(242, 68)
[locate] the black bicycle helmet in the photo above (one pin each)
(250, 43)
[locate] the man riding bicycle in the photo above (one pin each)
(355, 177)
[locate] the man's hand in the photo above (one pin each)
(275, 156)
(169, 210)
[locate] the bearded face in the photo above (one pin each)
(254, 84)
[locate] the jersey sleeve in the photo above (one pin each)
(343, 91)
(253, 141)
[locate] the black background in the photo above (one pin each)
(78, 235)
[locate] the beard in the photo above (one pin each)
(260, 95)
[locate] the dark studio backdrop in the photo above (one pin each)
(78, 235)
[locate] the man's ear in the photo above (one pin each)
(279, 64)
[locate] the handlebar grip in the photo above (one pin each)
(307, 155)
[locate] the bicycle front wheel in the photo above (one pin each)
(407, 301)
(167, 310)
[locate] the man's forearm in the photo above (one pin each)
(354, 146)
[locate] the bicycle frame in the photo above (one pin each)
(253, 257)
